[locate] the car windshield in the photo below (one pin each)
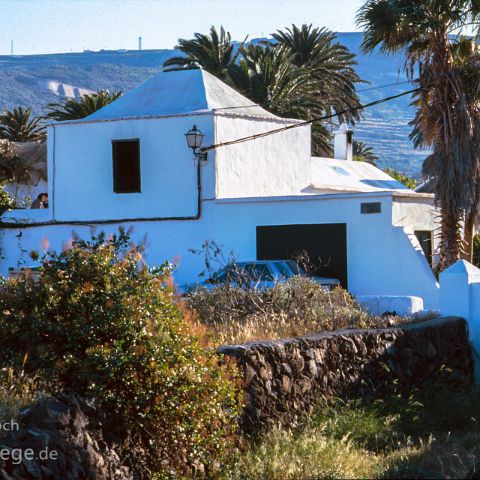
(285, 269)
(257, 272)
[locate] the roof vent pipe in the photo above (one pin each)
(343, 143)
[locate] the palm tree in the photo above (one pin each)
(303, 75)
(446, 118)
(330, 66)
(362, 153)
(214, 53)
(18, 125)
(466, 72)
(267, 77)
(73, 109)
(303, 43)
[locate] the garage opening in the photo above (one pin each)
(325, 244)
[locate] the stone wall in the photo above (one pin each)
(285, 379)
(61, 438)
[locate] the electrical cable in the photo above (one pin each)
(307, 122)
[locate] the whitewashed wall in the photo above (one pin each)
(416, 212)
(381, 258)
(80, 159)
(278, 164)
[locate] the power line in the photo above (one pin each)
(378, 87)
(307, 122)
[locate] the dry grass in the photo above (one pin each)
(298, 307)
(434, 433)
(18, 391)
(285, 455)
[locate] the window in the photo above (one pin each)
(371, 207)
(126, 166)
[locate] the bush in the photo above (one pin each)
(296, 307)
(109, 327)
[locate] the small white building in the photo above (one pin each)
(129, 164)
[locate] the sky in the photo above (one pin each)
(51, 26)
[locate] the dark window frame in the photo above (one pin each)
(138, 167)
(369, 208)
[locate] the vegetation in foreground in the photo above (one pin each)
(104, 325)
(299, 306)
(433, 433)
(100, 323)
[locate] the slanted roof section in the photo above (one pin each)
(179, 92)
(336, 176)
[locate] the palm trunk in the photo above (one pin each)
(450, 243)
(468, 238)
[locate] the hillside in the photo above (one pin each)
(36, 80)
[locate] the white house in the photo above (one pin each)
(129, 164)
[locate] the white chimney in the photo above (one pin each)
(343, 143)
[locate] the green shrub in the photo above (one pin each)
(409, 182)
(108, 326)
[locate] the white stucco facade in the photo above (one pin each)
(269, 181)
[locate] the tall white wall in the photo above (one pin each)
(381, 258)
(278, 164)
(416, 212)
(81, 172)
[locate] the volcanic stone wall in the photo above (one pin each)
(285, 379)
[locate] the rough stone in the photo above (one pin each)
(62, 426)
(250, 374)
(286, 384)
(285, 379)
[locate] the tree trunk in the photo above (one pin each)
(468, 238)
(451, 241)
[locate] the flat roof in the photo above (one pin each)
(332, 175)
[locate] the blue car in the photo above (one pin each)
(261, 274)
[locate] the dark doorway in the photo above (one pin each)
(325, 244)
(425, 238)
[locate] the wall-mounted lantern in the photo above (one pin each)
(194, 141)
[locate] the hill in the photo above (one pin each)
(36, 80)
